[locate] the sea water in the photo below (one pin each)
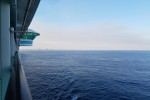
(88, 75)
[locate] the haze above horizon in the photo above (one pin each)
(92, 25)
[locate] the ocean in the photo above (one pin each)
(87, 75)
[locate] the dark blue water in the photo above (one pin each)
(88, 75)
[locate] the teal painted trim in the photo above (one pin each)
(25, 43)
(30, 35)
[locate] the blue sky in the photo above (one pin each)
(92, 25)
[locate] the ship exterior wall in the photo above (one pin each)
(5, 57)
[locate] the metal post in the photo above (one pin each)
(5, 54)
(13, 44)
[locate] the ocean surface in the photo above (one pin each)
(88, 75)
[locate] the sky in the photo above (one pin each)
(92, 25)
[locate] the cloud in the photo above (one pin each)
(92, 36)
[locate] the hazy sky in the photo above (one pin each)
(92, 25)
